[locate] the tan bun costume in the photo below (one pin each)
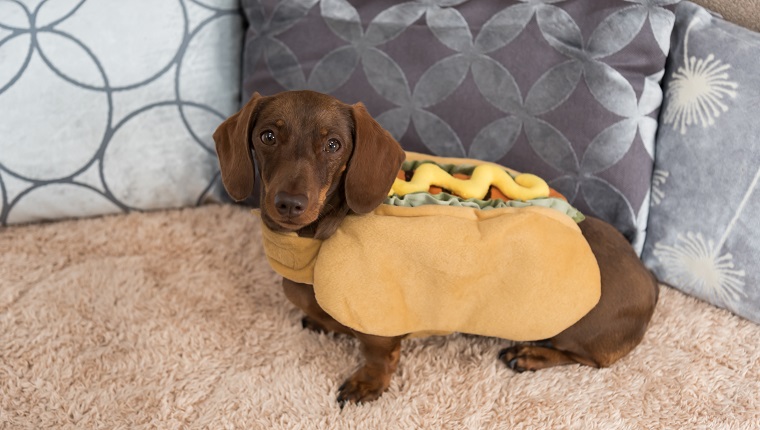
(518, 273)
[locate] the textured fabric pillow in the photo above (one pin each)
(568, 90)
(703, 232)
(109, 106)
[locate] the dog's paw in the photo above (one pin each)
(362, 387)
(514, 357)
(540, 355)
(312, 325)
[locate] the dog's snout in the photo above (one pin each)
(290, 204)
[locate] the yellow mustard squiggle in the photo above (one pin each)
(523, 187)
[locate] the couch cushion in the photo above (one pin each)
(703, 236)
(568, 90)
(110, 106)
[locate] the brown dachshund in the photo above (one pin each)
(321, 160)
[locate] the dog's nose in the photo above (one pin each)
(290, 204)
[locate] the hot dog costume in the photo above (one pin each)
(425, 264)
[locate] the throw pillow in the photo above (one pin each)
(703, 236)
(566, 89)
(110, 106)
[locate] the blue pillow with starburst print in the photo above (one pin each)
(702, 236)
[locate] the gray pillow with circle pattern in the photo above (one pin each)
(110, 106)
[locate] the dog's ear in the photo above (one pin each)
(374, 163)
(233, 140)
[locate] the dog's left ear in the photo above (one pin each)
(233, 147)
(374, 163)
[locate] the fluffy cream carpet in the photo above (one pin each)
(742, 12)
(174, 320)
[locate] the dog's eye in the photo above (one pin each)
(333, 145)
(267, 137)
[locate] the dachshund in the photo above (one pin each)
(321, 160)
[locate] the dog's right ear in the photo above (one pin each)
(233, 146)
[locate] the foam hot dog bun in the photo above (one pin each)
(518, 273)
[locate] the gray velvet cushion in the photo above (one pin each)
(703, 226)
(109, 106)
(565, 89)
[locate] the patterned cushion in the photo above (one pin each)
(109, 106)
(568, 90)
(703, 233)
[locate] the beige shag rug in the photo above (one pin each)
(743, 12)
(174, 320)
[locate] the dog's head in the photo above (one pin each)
(309, 148)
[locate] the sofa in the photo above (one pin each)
(134, 294)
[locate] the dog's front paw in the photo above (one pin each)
(364, 385)
(312, 325)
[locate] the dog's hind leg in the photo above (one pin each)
(614, 326)
(522, 357)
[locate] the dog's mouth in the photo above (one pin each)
(290, 225)
(287, 223)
